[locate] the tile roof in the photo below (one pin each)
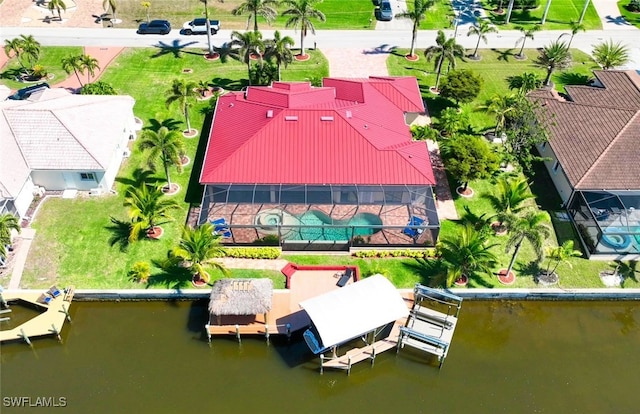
(596, 135)
(350, 131)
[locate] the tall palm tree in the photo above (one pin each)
(417, 14)
(533, 227)
(90, 64)
(481, 28)
(525, 82)
(248, 44)
(279, 48)
(13, 48)
(444, 49)
(208, 26)
(255, 8)
(198, 247)
(575, 28)
(465, 254)
(8, 222)
(552, 57)
(165, 145)
(510, 198)
(72, 63)
(301, 12)
(147, 206)
(527, 33)
(183, 93)
(609, 54)
(500, 106)
(30, 49)
(57, 5)
(110, 4)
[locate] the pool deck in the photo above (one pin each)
(49, 322)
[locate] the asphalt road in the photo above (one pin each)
(365, 40)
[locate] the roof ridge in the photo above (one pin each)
(15, 139)
(77, 140)
(593, 105)
(606, 150)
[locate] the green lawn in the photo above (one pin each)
(494, 67)
(72, 245)
(561, 13)
(50, 58)
(631, 18)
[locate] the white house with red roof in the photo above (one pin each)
(324, 166)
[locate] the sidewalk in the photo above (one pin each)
(610, 15)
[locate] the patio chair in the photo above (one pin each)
(45, 299)
(54, 292)
(410, 230)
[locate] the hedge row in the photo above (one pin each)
(427, 253)
(252, 252)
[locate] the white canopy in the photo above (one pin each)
(354, 310)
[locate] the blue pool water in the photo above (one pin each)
(319, 226)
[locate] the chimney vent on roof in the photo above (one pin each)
(326, 118)
(366, 126)
(291, 118)
(270, 113)
(349, 114)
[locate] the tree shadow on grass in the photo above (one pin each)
(120, 231)
(227, 84)
(171, 275)
(140, 176)
(505, 54)
(175, 48)
(572, 78)
(169, 123)
(628, 270)
(12, 74)
(434, 103)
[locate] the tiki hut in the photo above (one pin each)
(241, 297)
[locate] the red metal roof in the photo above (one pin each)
(351, 131)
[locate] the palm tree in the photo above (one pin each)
(500, 106)
(510, 198)
(533, 227)
(183, 93)
(165, 145)
(279, 48)
(208, 26)
(561, 254)
(527, 33)
(466, 254)
(248, 44)
(57, 5)
(198, 247)
(255, 8)
(525, 82)
(445, 49)
(14, 47)
(554, 56)
(481, 28)
(509, 10)
(417, 14)
(575, 28)
(545, 13)
(30, 48)
(451, 121)
(609, 54)
(110, 4)
(72, 63)
(301, 12)
(90, 64)
(8, 222)
(147, 205)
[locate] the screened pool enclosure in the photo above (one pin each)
(322, 216)
(608, 221)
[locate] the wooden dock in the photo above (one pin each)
(49, 322)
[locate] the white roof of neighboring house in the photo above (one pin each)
(55, 130)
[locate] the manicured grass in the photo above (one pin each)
(50, 58)
(72, 243)
(351, 15)
(630, 17)
(439, 16)
(494, 67)
(561, 13)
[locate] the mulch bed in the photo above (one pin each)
(506, 279)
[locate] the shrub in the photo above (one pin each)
(140, 272)
(252, 252)
(418, 254)
(269, 240)
(634, 6)
(462, 86)
(38, 72)
(98, 88)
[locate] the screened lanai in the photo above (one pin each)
(608, 221)
(303, 215)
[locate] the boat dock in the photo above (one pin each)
(55, 311)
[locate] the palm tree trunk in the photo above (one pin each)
(475, 52)
(513, 258)
(302, 34)
(278, 72)
(249, 69)
(186, 116)
(208, 26)
(546, 12)
(570, 40)
(548, 78)
(166, 171)
(584, 11)
(413, 39)
(78, 76)
(439, 70)
(255, 21)
(509, 10)
(522, 48)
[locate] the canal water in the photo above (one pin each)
(506, 357)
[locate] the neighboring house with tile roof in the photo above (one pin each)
(59, 141)
(593, 157)
(307, 159)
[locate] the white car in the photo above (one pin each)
(199, 26)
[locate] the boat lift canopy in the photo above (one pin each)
(352, 311)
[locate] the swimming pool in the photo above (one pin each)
(320, 226)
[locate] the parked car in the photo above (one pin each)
(162, 27)
(25, 93)
(386, 13)
(199, 26)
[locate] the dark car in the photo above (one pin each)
(25, 93)
(385, 11)
(162, 27)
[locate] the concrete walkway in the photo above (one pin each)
(610, 15)
(26, 236)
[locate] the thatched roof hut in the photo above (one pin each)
(241, 297)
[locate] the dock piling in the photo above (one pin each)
(25, 337)
(56, 332)
(321, 363)
(66, 312)
(238, 334)
(288, 332)
(266, 332)
(206, 328)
